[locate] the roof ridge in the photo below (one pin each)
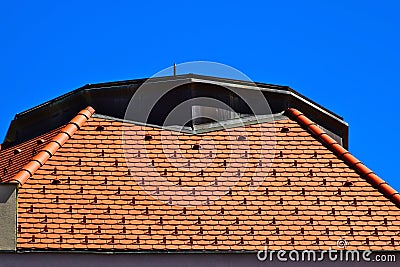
(50, 149)
(346, 156)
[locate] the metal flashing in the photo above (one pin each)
(205, 127)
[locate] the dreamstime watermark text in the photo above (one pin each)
(323, 255)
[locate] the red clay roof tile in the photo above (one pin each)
(30, 168)
(150, 223)
(347, 157)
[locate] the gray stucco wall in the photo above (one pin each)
(8, 217)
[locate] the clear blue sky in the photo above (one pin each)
(345, 55)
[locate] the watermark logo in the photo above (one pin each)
(177, 170)
(341, 243)
(340, 254)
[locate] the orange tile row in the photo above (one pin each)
(306, 193)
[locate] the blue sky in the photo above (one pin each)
(342, 54)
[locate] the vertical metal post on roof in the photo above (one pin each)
(174, 69)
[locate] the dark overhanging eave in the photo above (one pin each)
(62, 97)
(142, 80)
(66, 105)
(267, 87)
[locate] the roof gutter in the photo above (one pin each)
(136, 252)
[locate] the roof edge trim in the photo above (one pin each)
(153, 252)
(346, 156)
(51, 148)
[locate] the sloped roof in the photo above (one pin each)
(87, 196)
(13, 158)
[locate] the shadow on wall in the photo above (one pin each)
(6, 192)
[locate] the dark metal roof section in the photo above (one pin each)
(111, 99)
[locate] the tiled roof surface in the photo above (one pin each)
(86, 197)
(54, 144)
(347, 157)
(13, 158)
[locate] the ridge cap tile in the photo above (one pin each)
(346, 156)
(28, 170)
